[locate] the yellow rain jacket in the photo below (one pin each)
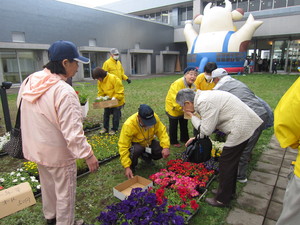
(112, 86)
(114, 67)
(172, 108)
(287, 121)
(202, 84)
(133, 132)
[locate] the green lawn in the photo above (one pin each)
(94, 191)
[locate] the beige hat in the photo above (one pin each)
(220, 72)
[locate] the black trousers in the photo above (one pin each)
(173, 130)
(137, 150)
(228, 166)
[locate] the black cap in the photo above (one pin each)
(189, 69)
(147, 115)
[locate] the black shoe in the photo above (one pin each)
(215, 192)
(51, 221)
(215, 203)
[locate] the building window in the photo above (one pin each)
(243, 4)
(165, 17)
(293, 2)
(279, 3)
(18, 36)
(16, 66)
(162, 17)
(266, 4)
(92, 43)
(234, 4)
(185, 13)
(254, 5)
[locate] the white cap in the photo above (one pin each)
(220, 72)
(114, 51)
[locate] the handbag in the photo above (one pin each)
(14, 146)
(199, 150)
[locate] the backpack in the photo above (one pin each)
(199, 150)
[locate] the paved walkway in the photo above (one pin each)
(260, 202)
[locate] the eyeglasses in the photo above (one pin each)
(193, 73)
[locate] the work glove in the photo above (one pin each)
(128, 81)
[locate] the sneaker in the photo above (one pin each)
(103, 130)
(112, 132)
(177, 145)
(51, 221)
(242, 180)
(80, 222)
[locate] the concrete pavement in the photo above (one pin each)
(260, 202)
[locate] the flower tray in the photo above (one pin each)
(105, 104)
(2, 153)
(198, 200)
(210, 181)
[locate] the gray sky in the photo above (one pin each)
(89, 3)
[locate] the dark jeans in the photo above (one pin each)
(246, 155)
(116, 112)
(137, 150)
(173, 130)
(228, 165)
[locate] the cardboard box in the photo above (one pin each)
(123, 190)
(105, 104)
(16, 198)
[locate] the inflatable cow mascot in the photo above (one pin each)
(217, 40)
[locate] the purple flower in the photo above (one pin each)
(140, 208)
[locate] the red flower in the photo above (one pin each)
(1, 187)
(183, 206)
(194, 205)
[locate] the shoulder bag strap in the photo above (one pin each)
(18, 119)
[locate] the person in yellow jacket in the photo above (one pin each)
(109, 85)
(287, 131)
(204, 80)
(114, 66)
(174, 110)
(137, 139)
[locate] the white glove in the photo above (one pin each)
(113, 98)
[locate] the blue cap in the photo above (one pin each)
(189, 69)
(147, 115)
(61, 50)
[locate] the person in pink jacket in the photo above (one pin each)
(52, 131)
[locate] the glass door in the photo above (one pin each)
(294, 57)
(280, 53)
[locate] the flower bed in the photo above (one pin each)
(27, 173)
(105, 148)
(174, 199)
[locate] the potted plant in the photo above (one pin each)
(84, 102)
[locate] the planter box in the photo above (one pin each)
(123, 190)
(105, 104)
(16, 198)
(85, 109)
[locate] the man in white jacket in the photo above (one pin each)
(225, 112)
(225, 82)
(52, 132)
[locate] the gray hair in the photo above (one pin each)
(185, 95)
